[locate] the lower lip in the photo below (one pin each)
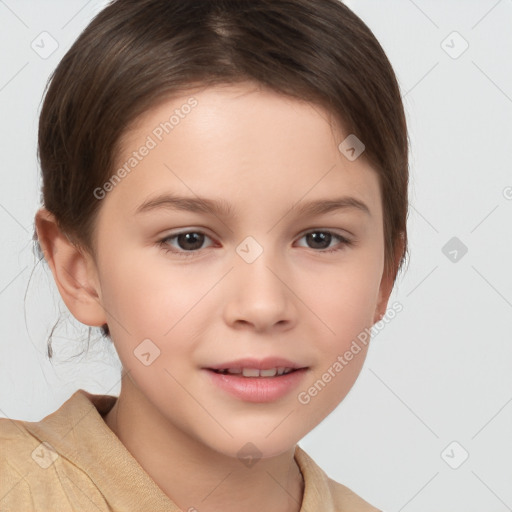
(258, 389)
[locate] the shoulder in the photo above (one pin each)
(17, 447)
(20, 455)
(346, 499)
(320, 490)
(35, 475)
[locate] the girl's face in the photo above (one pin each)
(245, 261)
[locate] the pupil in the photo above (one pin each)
(324, 239)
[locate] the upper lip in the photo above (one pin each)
(261, 364)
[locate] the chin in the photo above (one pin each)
(248, 449)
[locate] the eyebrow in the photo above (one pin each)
(223, 208)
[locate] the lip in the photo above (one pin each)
(261, 364)
(257, 389)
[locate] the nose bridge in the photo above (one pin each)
(254, 263)
(260, 297)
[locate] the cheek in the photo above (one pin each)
(344, 299)
(150, 297)
(164, 304)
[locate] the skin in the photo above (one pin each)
(263, 153)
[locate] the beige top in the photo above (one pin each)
(84, 466)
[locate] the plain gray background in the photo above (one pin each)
(437, 384)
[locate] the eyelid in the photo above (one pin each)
(343, 241)
(183, 231)
(163, 242)
(334, 231)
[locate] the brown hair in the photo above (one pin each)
(136, 53)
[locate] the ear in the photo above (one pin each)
(73, 269)
(387, 282)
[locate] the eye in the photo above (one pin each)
(322, 240)
(188, 243)
(183, 243)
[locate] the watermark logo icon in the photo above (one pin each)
(249, 454)
(455, 455)
(44, 45)
(146, 352)
(45, 455)
(249, 250)
(454, 45)
(352, 147)
(454, 249)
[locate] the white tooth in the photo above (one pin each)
(250, 372)
(234, 371)
(268, 373)
(280, 370)
(288, 370)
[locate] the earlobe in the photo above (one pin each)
(74, 271)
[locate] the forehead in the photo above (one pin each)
(230, 139)
(247, 105)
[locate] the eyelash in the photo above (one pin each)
(163, 243)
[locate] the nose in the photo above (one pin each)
(261, 296)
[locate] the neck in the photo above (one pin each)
(196, 477)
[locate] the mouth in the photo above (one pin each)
(270, 366)
(255, 372)
(261, 385)
(257, 380)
